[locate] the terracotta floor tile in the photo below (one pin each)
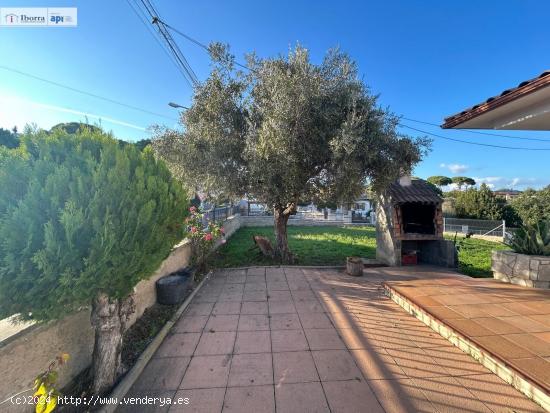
(256, 271)
(178, 345)
(251, 370)
(252, 279)
(253, 342)
(520, 308)
(254, 307)
(199, 309)
(543, 336)
(447, 395)
(279, 296)
(336, 365)
(376, 363)
(199, 401)
(190, 324)
(531, 342)
(288, 340)
(427, 301)
(254, 322)
(226, 308)
(351, 396)
(536, 367)
(222, 323)
(304, 295)
(255, 287)
(309, 306)
(294, 367)
(255, 296)
(504, 348)
(526, 324)
(498, 395)
(401, 396)
(497, 326)
(277, 286)
(253, 399)
(219, 342)
(415, 362)
(543, 319)
(315, 320)
(324, 339)
(281, 307)
(236, 279)
(206, 372)
(285, 322)
(454, 361)
(146, 408)
(162, 374)
(300, 398)
(441, 312)
(469, 328)
(231, 296)
(482, 310)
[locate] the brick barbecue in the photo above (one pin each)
(410, 225)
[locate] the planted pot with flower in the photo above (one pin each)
(203, 235)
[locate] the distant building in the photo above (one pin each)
(507, 194)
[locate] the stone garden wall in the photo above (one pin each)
(28, 353)
(525, 270)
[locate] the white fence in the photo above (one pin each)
(475, 226)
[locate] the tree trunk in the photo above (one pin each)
(281, 248)
(109, 317)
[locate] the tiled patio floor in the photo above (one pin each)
(507, 321)
(308, 340)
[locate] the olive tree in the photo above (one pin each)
(287, 131)
(82, 221)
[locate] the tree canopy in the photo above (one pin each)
(461, 181)
(81, 215)
(287, 131)
(440, 180)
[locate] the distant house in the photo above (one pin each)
(507, 194)
(524, 107)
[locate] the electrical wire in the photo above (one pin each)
(138, 11)
(478, 132)
(473, 143)
(83, 92)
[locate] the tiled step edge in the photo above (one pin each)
(507, 373)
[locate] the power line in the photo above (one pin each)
(143, 19)
(200, 44)
(190, 75)
(474, 143)
(83, 92)
(478, 132)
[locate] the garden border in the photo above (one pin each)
(122, 388)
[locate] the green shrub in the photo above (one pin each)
(80, 218)
(532, 239)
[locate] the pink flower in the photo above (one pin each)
(193, 209)
(223, 241)
(222, 230)
(193, 229)
(208, 237)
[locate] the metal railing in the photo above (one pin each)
(220, 214)
(475, 226)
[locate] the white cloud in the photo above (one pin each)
(24, 109)
(455, 168)
(498, 182)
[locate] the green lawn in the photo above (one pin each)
(311, 245)
(331, 246)
(474, 256)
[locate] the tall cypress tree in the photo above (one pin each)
(82, 221)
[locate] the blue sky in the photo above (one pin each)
(427, 60)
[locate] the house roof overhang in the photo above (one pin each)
(525, 107)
